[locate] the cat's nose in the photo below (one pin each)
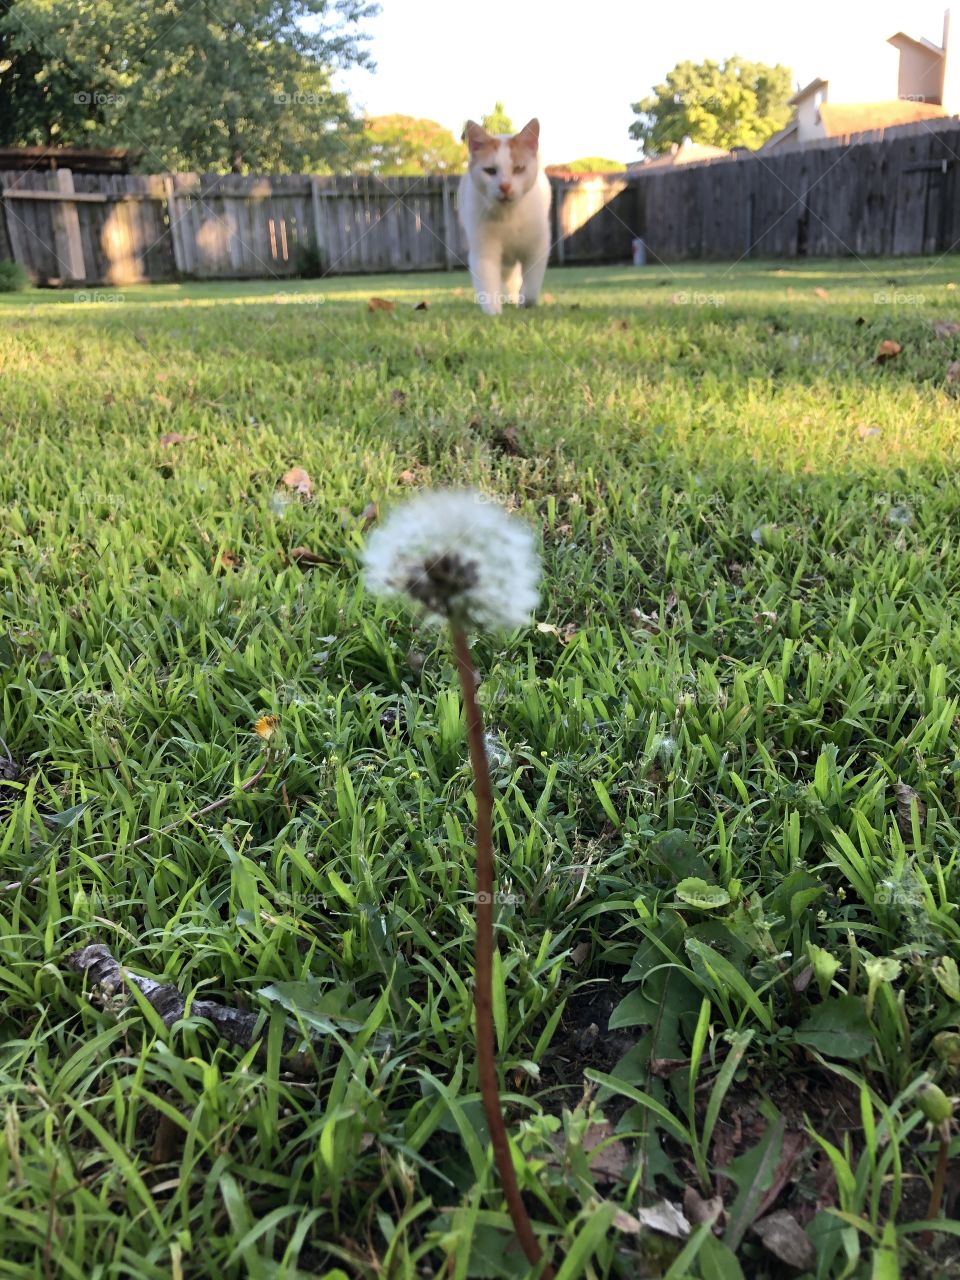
(505, 188)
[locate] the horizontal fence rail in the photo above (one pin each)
(866, 196)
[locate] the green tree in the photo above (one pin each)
(244, 86)
(497, 121)
(594, 164)
(404, 144)
(734, 103)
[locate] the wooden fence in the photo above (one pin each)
(123, 229)
(833, 199)
(897, 195)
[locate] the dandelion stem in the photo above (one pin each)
(483, 988)
(939, 1183)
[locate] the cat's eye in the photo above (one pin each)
(519, 168)
(492, 172)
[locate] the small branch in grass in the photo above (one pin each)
(483, 990)
(207, 808)
(152, 835)
(236, 1025)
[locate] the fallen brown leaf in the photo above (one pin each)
(506, 441)
(888, 350)
(172, 437)
(167, 1140)
(665, 1067)
(607, 1159)
(803, 978)
(564, 634)
(699, 1210)
(624, 1221)
(664, 1217)
(298, 479)
(821, 292)
(423, 305)
(865, 433)
(579, 954)
(369, 515)
(306, 558)
(407, 477)
(783, 1236)
(946, 328)
(953, 371)
(398, 397)
(380, 304)
(794, 1144)
(226, 560)
(906, 799)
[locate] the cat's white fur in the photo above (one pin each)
(505, 212)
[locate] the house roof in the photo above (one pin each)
(787, 132)
(901, 37)
(841, 118)
(806, 91)
(78, 159)
(686, 152)
(566, 174)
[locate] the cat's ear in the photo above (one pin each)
(476, 136)
(529, 135)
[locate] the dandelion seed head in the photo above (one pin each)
(456, 555)
(497, 754)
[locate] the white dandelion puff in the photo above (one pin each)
(497, 754)
(457, 556)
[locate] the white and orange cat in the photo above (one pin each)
(505, 212)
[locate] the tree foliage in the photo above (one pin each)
(245, 85)
(734, 103)
(404, 144)
(497, 121)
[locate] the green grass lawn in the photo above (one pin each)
(726, 765)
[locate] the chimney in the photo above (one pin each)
(950, 85)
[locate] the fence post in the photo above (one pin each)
(66, 229)
(560, 192)
(449, 225)
(176, 230)
(315, 203)
(14, 238)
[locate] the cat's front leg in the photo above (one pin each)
(512, 285)
(533, 272)
(486, 272)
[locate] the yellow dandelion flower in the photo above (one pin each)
(266, 727)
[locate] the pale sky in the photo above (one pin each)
(578, 66)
